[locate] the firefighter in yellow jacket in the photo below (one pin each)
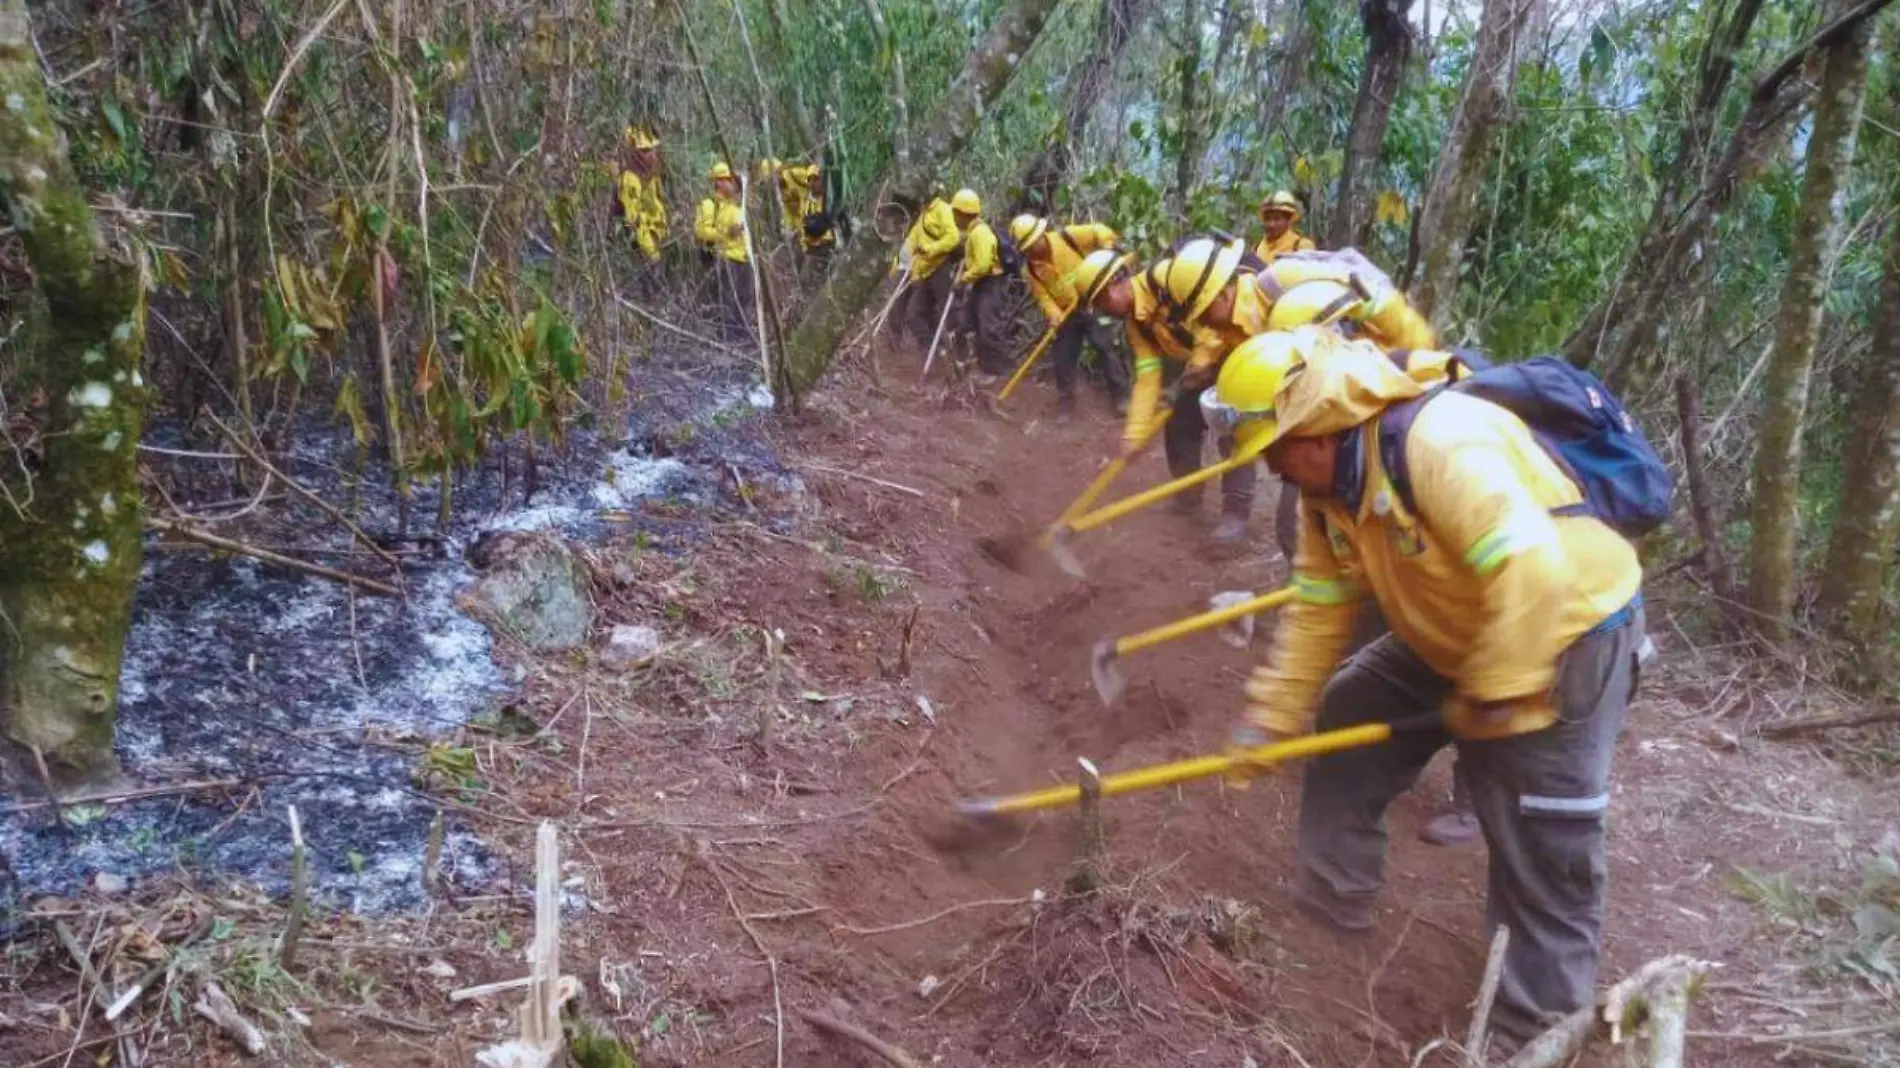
(1206, 291)
(934, 240)
(1521, 627)
(1279, 215)
(801, 193)
(720, 225)
(1051, 255)
(639, 198)
(981, 279)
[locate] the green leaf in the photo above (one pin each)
(115, 118)
(357, 860)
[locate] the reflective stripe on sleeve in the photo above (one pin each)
(1323, 591)
(1148, 365)
(1538, 805)
(1507, 539)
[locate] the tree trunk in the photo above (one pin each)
(1684, 216)
(73, 553)
(1388, 46)
(1777, 480)
(1187, 72)
(1858, 558)
(861, 263)
(1451, 202)
(1050, 168)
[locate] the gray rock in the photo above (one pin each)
(628, 645)
(533, 588)
(111, 884)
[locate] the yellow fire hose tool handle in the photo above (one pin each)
(1022, 369)
(1156, 776)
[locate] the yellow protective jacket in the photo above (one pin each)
(1291, 241)
(1152, 339)
(644, 211)
(795, 195)
(1050, 280)
(720, 227)
(982, 254)
(933, 238)
(1483, 582)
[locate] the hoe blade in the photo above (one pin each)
(1108, 680)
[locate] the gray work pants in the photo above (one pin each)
(1182, 439)
(1540, 799)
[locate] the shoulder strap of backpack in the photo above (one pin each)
(1394, 424)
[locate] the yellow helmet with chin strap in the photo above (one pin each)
(1246, 396)
(719, 171)
(1319, 302)
(1027, 229)
(640, 137)
(1188, 280)
(966, 202)
(1096, 271)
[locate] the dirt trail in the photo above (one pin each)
(917, 670)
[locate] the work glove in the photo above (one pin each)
(1248, 735)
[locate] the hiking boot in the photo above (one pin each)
(1318, 900)
(1065, 405)
(1454, 828)
(1231, 530)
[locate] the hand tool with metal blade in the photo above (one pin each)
(1155, 776)
(1102, 659)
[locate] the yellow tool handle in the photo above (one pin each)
(1112, 471)
(1181, 628)
(1029, 361)
(1146, 497)
(1158, 775)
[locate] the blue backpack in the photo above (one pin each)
(1577, 421)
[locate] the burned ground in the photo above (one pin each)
(915, 670)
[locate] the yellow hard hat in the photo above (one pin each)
(1247, 392)
(1096, 271)
(719, 170)
(1319, 302)
(1027, 229)
(1190, 279)
(638, 137)
(966, 202)
(1282, 202)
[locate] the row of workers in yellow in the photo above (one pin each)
(1186, 311)
(641, 203)
(1515, 608)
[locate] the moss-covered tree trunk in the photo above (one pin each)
(1187, 78)
(69, 558)
(1388, 47)
(862, 263)
(1860, 556)
(1777, 476)
(1451, 202)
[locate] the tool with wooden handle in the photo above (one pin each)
(1156, 776)
(1022, 369)
(1108, 681)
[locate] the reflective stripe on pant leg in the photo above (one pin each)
(1541, 799)
(1342, 830)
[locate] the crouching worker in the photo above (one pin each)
(1515, 613)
